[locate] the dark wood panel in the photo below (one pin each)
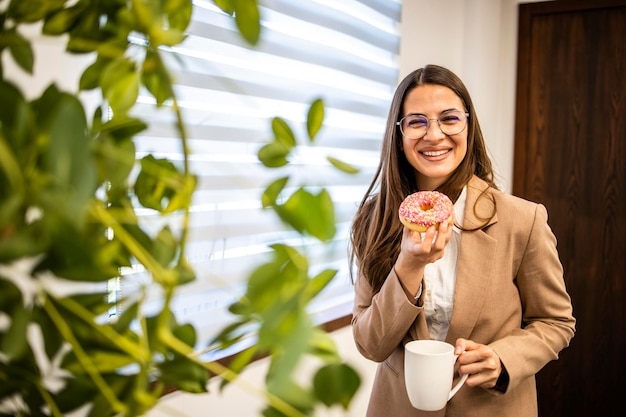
(570, 154)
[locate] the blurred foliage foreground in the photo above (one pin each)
(66, 216)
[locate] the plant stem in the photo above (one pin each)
(138, 352)
(11, 168)
(180, 125)
(54, 409)
(219, 369)
(83, 358)
(160, 274)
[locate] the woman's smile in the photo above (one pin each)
(432, 154)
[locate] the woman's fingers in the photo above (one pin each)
(481, 362)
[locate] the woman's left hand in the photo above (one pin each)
(479, 361)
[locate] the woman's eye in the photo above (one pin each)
(417, 123)
(449, 119)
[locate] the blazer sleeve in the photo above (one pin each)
(547, 321)
(381, 321)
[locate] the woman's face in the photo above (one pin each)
(436, 155)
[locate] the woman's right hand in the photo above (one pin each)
(417, 250)
(426, 248)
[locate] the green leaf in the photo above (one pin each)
(124, 387)
(32, 11)
(96, 303)
(14, 342)
(179, 13)
(323, 346)
(123, 128)
(70, 157)
(336, 384)
(74, 395)
(184, 193)
(226, 6)
(342, 166)
(248, 20)
(61, 21)
(115, 160)
(154, 332)
(274, 154)
(283, 133)
(315, 118)
(157, 183)
(167, 37)
(90, 78)
(104, 361)
(20, 48)
(282, 321)
(142, 401)
(120, 85)
(308, 213)
(10, 167)
(263, 286)
(184, 374)
(15, 117)
(125, 320)
(143, 15)
(241, 307)
(271, 193)
(156, 78)
(101, 406)
(288, 336)
(165, 246)
(295, 395)
(184, 273)
(232, 333)
(319, 282)
(186, 333)
(108, 51)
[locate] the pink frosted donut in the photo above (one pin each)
(423, 209)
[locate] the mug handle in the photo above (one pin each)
(459, 384)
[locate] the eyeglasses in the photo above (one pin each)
(415, 126)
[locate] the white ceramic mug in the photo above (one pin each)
(428, 372)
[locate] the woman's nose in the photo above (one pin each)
(433, 131)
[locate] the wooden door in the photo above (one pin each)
(570, 154)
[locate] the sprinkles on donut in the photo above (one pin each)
(423, 209)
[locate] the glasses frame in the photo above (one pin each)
(399, 123)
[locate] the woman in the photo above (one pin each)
(491, 284)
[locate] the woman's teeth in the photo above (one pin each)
(435, 153)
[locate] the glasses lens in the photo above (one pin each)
(414, 126)
(452, 122)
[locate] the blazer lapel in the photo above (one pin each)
(476, 257)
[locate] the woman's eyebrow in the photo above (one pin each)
(452, 109)
(422, 114)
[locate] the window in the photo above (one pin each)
(344, 52)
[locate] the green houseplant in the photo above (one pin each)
(66, 215)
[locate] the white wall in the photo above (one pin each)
(477, 39)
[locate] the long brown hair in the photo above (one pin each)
(376, 230)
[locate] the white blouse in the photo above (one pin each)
(440, 279)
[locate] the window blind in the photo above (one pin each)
(343, 52)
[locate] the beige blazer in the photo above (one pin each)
(509, 294)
